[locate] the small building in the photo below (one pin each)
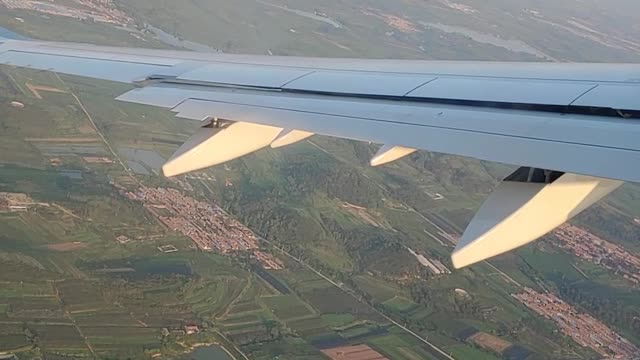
(167, 249)
(122, 239)
(191, 329)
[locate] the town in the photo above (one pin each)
(97, 10)
(582, 328)
(210, 227)
(590, 247)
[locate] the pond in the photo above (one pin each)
(169, 39)
(213, 352)
(6, 33)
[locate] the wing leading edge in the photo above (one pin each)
(572, 127)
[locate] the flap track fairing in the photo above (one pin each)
(527, 205)
(389, 153)
(288, 137)
(220, 142)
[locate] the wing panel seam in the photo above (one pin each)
(583, 94)
(419, 86)
(297, 78)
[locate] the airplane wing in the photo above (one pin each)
(573, 128)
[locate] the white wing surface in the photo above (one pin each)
(574, 128)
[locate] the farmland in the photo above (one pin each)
(85, 272)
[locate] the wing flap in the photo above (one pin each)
(616, 96)
(244, 75)
(561, 93)
(566, 128)
(541, 153)
(360, 83)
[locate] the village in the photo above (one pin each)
(210, 227)
(582, 328)
(93, 10)
(592, 248)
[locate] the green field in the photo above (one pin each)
(287, 307)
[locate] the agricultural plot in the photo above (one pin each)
(12, 336)
(400, 304)
(106, 317)
(244, 306)
(244, 328)
(310, 327)
(332, 300)
(80, 295)
(20, 289)
(297, 276)
(397, 348)
(338, 320)
(58, 336)
(110, 337)
(359, 332)
(253, 317)
(490, 342)
(168, 316)
(311, 284)
(11, 328)
(287, 307)
(272, 280)
(67, 354)
(23, 230)
(379, 290)
(361, 352)
(212, 297)
(326, 341)
(34, 308)
(286, 348)
(9, 342)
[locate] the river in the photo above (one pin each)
(169, 39)
(509, 44)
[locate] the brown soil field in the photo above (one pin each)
(490, 342)
(358, 352)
